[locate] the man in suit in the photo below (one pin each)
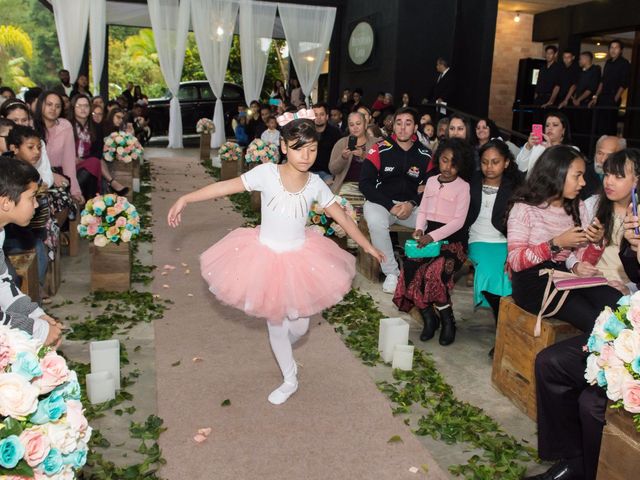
(337, 120)
(443, 89)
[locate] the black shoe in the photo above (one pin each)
(492, 351)
(561, 470)
(448, 330)
(431, 323)
(122, 192)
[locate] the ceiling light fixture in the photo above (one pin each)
(600, 55)
(517, 17)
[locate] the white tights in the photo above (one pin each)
(282, 337)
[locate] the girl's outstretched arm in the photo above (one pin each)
(336, 212)
(215, 190)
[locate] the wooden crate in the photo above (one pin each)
(620, 450)
(365, 263)
(54, 275)
(205, 146)
(516, 351)
(26, 265)
(123, 173)
(110, 267)
(74, 236)
(229, 170)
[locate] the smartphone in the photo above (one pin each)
(634, 206)
(353, 142)
(536, 129)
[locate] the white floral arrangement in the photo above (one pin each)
(322, 223)
(206, 126)
(614, 360)
(230, 152)
(260, 151)
(43, 430)
(123, 147)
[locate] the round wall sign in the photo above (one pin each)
(361, 43)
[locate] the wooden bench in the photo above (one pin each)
(620, 451)
(365, 263)
(72, 237)
(516, 351)
(26, 265)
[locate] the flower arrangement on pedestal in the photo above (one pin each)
(109, 219)
(43, 430)
(324, 224)
(123, 147)
(205, 126)
(260, 151)
(614, 360)
(230, 152)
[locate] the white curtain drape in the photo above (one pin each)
(307, 30)
(97, 40)
(170, 23)
(213, 24)
(256, 30)
(72, 21)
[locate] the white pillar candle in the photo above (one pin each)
(136, 185)
(105, 357)
(393, 331)
(101, 387)
(403, 357)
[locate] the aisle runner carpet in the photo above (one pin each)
(335, 427)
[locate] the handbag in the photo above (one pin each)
(413, 250)
(561, 282)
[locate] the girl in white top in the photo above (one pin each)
(556, 132)
(281, 271)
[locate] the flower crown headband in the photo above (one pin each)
(288, 117)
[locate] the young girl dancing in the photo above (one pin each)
(280, 270)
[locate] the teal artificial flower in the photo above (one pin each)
(109, 218)
(27, 365)
(11, 451)
(624, 301)
(635, 365)
(613, 326)
(601, 379)
(97, 211)
(76, 459)
(108, 201)
(101, 229)
(52, 464)
(82, 230)
(50, 409)
(115, 238)
(69, 390)
(595, 343)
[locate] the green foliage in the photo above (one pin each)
(447, 419)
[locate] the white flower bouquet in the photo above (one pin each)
(206, 126)
(122, 147)
(230, 152)
(260, 151)
(614, 360)
(43, 430)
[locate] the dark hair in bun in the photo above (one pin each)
(299, 133)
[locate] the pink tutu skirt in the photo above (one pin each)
(246, 274)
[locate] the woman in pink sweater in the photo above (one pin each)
(427, 283)
(546, 222)
(61, 146)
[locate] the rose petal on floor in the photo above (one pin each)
(199, 438)
(165, 286)
(413, 470)
(196, 359)
(204, 431)
(169, 267)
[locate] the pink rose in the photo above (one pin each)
(634, 317)
(54, 372)
(608, 357)
(121, 222)
(36, 446)
(631, 396)
(113, 231)
(75, 417)
(92, 229)
(6, 353)
(111, 211)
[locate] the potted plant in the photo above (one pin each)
(230, 156)
(110, 222)
(205, 128)
(614, 364)
(124, 153)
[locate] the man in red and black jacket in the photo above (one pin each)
(389, 180)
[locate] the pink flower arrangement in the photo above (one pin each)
(122, 147)
(43, 430)
(260, 151)
(614, 360)
(321, 222)
(108, 219)
(230, 152)
(205, 125)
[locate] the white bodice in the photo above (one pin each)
(284, 213)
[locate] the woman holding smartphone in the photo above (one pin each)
(348, 154)
(555, 131)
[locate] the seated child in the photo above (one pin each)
(271, 134)
(18, 187)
